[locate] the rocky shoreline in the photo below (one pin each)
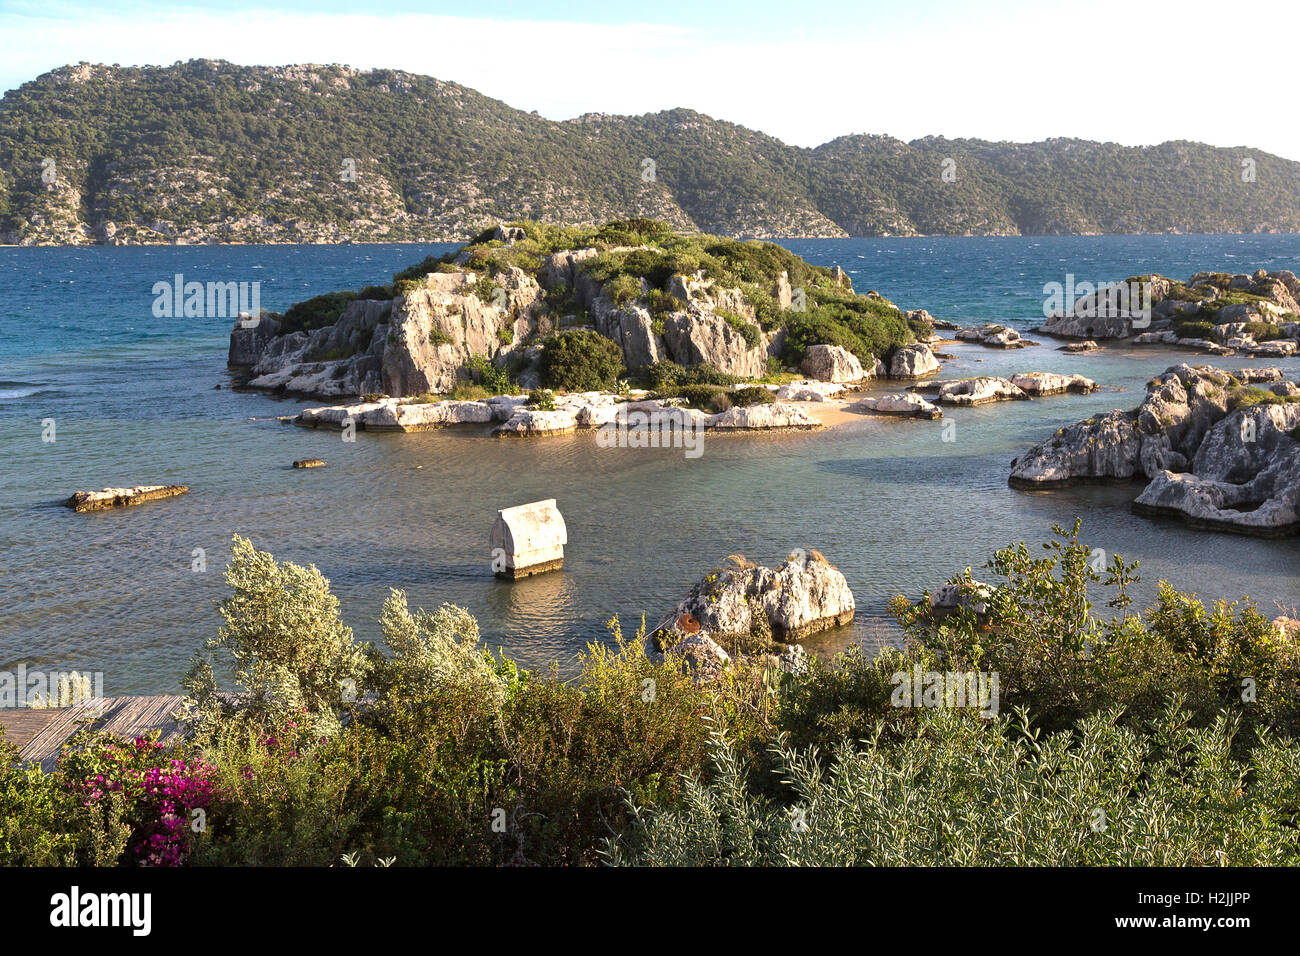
(1217, 450)
(1255, 314)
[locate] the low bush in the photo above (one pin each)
(952, 792)
(580, 361)
(317, 312)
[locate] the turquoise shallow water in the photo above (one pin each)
(895, 507)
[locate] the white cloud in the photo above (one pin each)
(1109, 72)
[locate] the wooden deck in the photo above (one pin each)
(39, 735)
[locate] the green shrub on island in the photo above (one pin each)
(492, 379)
(668, 374)
(640, 258)
(542, 399)
(622, 289)
(868, 328)
(580, 361)
(716, 398)
(319, 312)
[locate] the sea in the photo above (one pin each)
(97, 388)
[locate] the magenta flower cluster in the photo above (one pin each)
(163, 797)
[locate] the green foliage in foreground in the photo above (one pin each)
(953, 792)
(1168, 737)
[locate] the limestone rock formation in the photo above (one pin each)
(799, 597)
(913, 361)
(122, 497)
(1216, 452)
(907, 404)
(1050, 383)
(979, 391)
(833, 363)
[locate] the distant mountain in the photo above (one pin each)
(207, 151)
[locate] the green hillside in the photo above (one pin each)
(208, 151)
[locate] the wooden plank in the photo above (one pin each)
(126, 717)
(21, 724)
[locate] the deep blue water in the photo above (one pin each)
(133, 402)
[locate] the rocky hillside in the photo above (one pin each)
(211, 152)
(529, 305)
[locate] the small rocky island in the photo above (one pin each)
(746, 611)
(1220, 450)
(534, 330)
(527, 307)
(1255, 314)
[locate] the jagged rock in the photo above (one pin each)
(1088, 345)
(530, 422)
(1252, 375)
(769, 415)
(435, 329)
(559, 268)
(993, 336)
(249, 339)
(1107, 446)
(1232, 471)
(510, 234)
(698, 336)
(979, 391)
(904, 403)
(963, 594)
(122, 497)
(1050, 383)
(703, 656)
(793, 659)
(913, 361)
(833, 363)
(395, 414)
(1154, 338)
(808, 392)
(633, 329)
(1278, 348)
(841, 278)
(799, 597)
(1245, 476)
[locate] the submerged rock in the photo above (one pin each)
(980, 391)
(122, 497)
(899, 403)
(309, 463)
(1050, 383)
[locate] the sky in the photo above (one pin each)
(1136, 72)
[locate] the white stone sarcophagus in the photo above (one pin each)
(528, 539)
